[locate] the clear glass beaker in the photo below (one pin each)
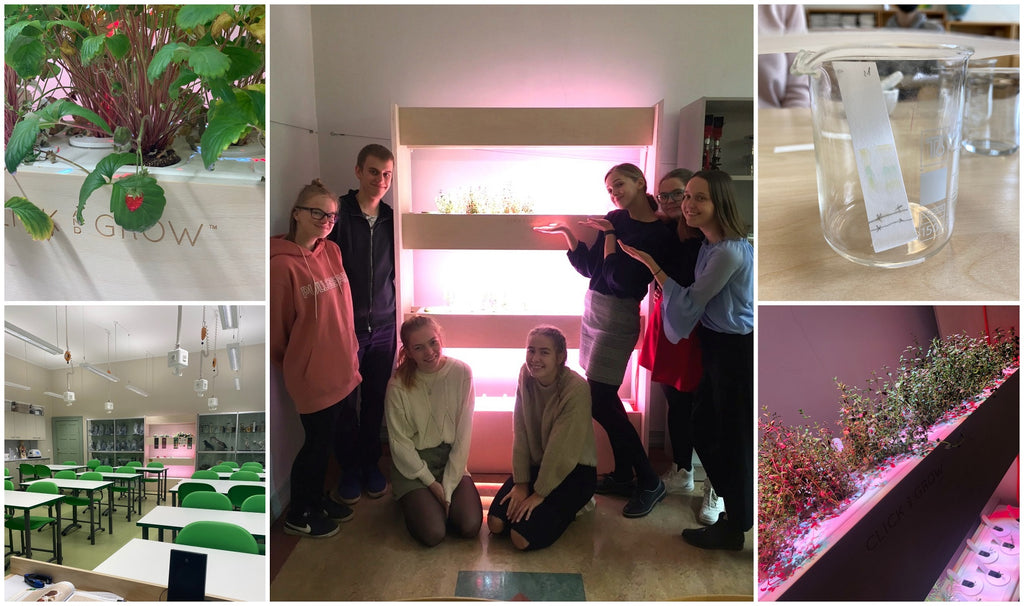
(992, 113)
(887, 126)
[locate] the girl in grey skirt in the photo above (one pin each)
(611, 324)
(429, 412)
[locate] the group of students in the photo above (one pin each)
(333, 331)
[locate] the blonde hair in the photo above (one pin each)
(315, 189)
(406, 368)
(722, 196)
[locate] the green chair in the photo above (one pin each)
(94, 476)
(70, 462)
(205, 474)
(252, 465)
(43, 471)
(123, 486)
(73, 499)
(257, 503)
(134, 464)
(231, 464)
(92, 464)
(187, 488)
(238, 494)
(27, 471)
(8, 485)
(244, 475)
(104, 468)
(218, 535)
(223, 467)
(146, 479)
(35, 522)
(207, 500)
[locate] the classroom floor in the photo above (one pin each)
(602, 556)
(78, 553)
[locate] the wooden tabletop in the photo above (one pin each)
(980, 262)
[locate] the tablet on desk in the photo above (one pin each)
(186, 579)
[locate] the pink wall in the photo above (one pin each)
(801, 349)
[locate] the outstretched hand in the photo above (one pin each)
(552, 228)
(438, 491)
(638, 254)
(598, 223)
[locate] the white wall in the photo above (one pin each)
(295, 160)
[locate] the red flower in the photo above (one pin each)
(112, 28)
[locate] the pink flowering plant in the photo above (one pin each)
(805, 475)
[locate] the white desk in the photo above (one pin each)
(221, 486)
(164, 517)
(229, 574)
(56, 468)
(161, 481)
(134, 492)
(26, 501)
(224, 475)
(90, 486)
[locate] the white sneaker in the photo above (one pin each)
(712, 505)
(678, 481)
(590, 506)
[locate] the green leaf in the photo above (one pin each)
(52, 113)
(27, 56)
(23, 137)
(258, 97)
(37, 223)
(100, 176)
(208, 62)
(91, 47)
(221, 89)
(224, 128)
(145, 216)
(78, 27)
(176, 52)
(185, 76)
(197, 14)
(16, 29)
(244, 62)
(118, 45)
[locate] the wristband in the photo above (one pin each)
(609, 232)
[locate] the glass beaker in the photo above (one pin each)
(992, 113)
(886, 122)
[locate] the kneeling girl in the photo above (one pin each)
(554, 461)
(429, 411)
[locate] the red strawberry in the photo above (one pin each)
(134, 201)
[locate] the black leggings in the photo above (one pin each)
(424, 515)
(722, 421)
(680, 426)
(607, 409)
(310, 466)
(549, 519)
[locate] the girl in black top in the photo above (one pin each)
(611, 323)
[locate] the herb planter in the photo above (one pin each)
(896, 540)
(209, 244)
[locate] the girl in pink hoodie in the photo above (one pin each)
(313, 342)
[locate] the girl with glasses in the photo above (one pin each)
(720, 303)
(311, 312)
(611, 324)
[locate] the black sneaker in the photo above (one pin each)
(720, 535)
(312, 525)
(336, 511)
(609, 485)
(643, 501)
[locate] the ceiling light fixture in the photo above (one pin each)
(234, 356)
(17, 385)
(106, 374)
(228, 316)
(31, 339)
(109, 406)
(137, 390)
(238, 383)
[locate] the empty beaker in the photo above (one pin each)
(887, 125)
(992, 113)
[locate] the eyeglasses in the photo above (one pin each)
(319, 215)
(676, 196)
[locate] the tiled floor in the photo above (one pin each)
(614, 558)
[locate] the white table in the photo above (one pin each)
(175, 518)
(221, 486)
(56, 468)
(134, 492)
(229, 574)
(90, 486)
(26, 501)
(224, 475)
(161, 483)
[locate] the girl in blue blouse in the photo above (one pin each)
(611, 324)
(721, 299)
